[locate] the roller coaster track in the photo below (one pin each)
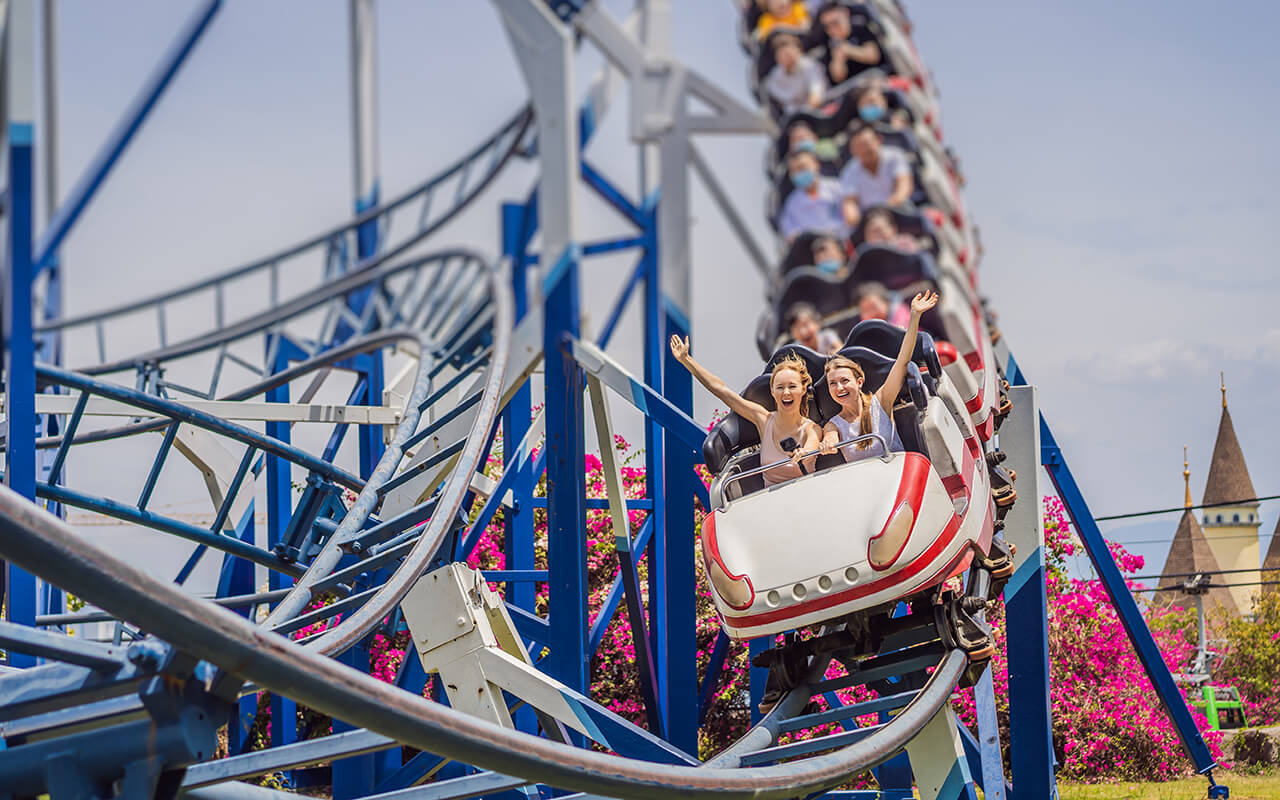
(452, 313)
(203, 630)
(469, 325)
(309, 269)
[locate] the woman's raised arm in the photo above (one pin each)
(888, 393)
(754, 412)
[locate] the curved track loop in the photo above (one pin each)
(467, 326)
(39, 542)
(331, 253)
(448, 502)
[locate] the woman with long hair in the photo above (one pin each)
(789, 384)
(863, 413)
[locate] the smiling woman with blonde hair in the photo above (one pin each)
(863, 413)
(789, 384)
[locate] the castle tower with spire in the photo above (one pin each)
(1231, 529)
(1190, 553)
(1271, 564)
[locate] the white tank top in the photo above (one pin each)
(881, 423)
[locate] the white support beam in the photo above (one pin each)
(746, 119)
(731, 215)
(609, 464)
(218, 466)
(18, 98)
(615, 43)
(544, 47)
(364, 102)
(937, 758)
(675, 256)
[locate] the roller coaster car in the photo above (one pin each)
(885, 527)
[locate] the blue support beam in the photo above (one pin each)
(674, 555)
(98, 170)
(1026, 608)
(1126, 607)
(518, 526)
(566, 481)
(19, 586)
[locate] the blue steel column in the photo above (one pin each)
(19, 345)
(279, 508)
(544, 49)
(1026, 608)
(1126, 608)
(519, 539)
(654, 330)
(677, 589)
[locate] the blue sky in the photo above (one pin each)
(1117, 157)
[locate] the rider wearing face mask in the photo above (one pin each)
(873, 107)
(828, 256)
(801, 136)
(815, 202)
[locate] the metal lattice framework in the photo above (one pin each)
(435, 353)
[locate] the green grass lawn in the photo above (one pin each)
(1243, 787)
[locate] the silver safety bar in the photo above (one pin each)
(884, 456)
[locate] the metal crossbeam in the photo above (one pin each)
(60, 647)
(244, 410)
(603, 366)
(300, 754)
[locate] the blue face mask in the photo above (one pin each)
(829, 265)
(806, 146)
(871, 113)
(803, 179)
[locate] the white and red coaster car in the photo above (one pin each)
(849, 537)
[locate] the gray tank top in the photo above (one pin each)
(881, 423)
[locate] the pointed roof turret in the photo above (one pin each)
(1272, 560)
(1186, 478)
(1188, 554)
(1229, 480)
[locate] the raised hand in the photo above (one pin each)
(680, 348)
(924, 301)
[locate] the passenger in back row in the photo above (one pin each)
(814, 205)
(781, 14)
(801, 136)
(804, 325)
(796, 80)
(849, 51)
(879, 227)
(877, 175)
(863, 413)
(876, 302)
(789, 384)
